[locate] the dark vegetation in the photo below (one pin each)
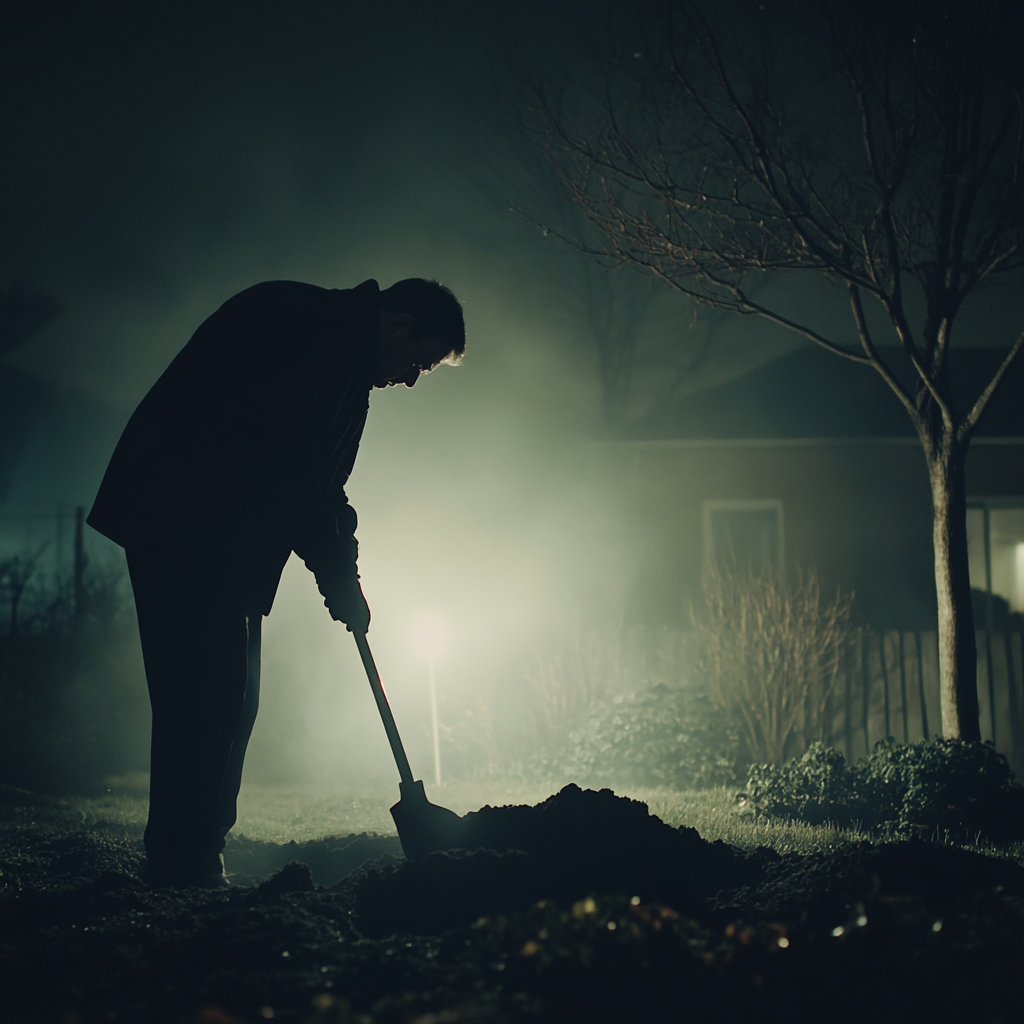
(603, 914)
(945, 787)
(72, 691)
(658, 735)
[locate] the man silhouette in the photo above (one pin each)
(237, 456)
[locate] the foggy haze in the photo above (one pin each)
(159, 158)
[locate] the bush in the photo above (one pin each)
(657, 736)
(73, 703)
(816, 787)
(948, 785)
(770, 655)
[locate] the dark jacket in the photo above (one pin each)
(241, 450)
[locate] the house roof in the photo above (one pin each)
(811, 393)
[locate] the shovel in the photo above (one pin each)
(423, 827)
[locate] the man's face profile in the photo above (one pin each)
(399, 360)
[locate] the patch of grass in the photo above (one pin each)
(715, 815)
(281, 814)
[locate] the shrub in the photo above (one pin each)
(816, 787)
(73, 705)
(947, 785)
(657, 736)
(770, 655)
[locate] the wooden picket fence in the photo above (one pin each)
(890, 687)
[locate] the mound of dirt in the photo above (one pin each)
(574, 843)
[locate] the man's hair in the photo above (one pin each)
(435, 312)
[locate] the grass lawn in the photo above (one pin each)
(283, 813)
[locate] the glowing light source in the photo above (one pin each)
(431, 638)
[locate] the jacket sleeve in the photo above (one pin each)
(325, 538)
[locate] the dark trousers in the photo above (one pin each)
(201, 649)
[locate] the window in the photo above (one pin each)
(744, 534)
(995, 546)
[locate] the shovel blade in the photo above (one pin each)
(424, 827)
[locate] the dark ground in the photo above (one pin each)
(605, 914)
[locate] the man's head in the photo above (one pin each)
(421, 325)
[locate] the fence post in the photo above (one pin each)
(920, 684)
(1013, 674)
(903, 689)
(884, 659)
(865, 671)
(848, 716)
(79, 562)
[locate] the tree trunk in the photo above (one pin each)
(958, 655)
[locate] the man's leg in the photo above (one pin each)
(227, 811)
(194, 646)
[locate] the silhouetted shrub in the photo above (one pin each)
(73, 705)
(948, 785)
(816, 787)
(658, 736)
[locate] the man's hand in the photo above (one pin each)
(344, 599)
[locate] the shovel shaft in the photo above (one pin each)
(404, 771)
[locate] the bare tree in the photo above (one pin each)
(644, 351)
(642, 348)
(875, 143)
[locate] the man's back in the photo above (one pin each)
(237, 425)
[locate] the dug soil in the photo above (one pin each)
(582, 908)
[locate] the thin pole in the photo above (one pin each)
(433, 715)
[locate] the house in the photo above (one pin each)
(810, 462)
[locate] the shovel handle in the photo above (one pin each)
(404, 771)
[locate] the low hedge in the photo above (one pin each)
(945, 785)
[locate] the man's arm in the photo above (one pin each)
(328, 547)
(326, 539)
